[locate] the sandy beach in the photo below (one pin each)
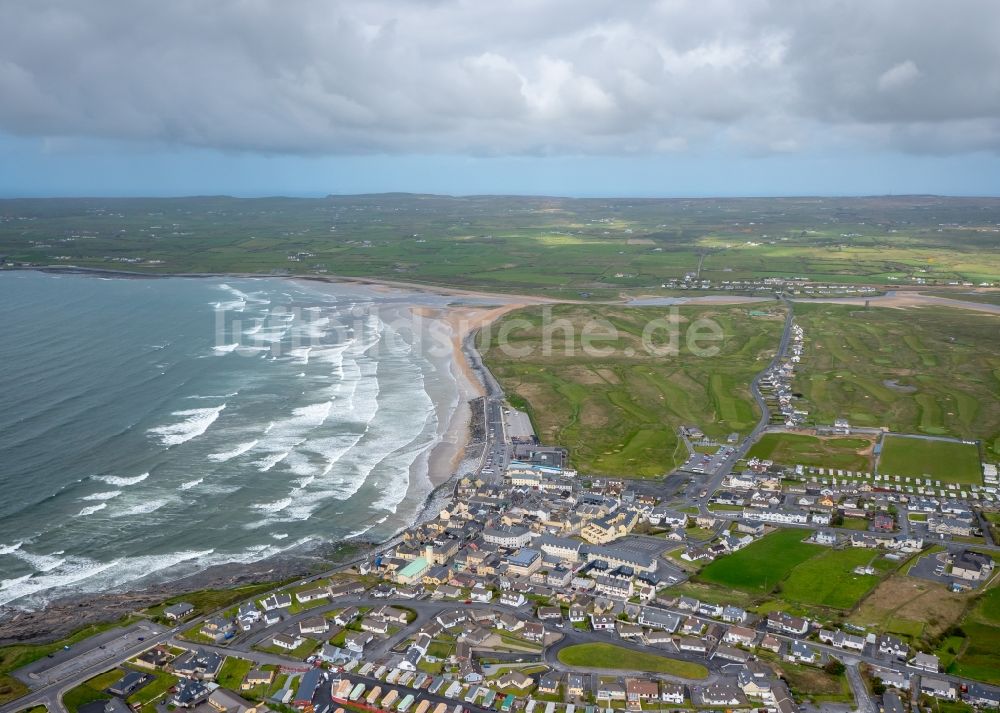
(907, 300)
(447, 455)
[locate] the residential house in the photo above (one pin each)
(659, 618)
(357, 640)
(925, 662)
(178, 611)
(374, 626)
(721, 693)
(672, 693)
(733, 615)
(639, 690)
(198, 664)
(787, 624)
(284, 641)
(549, 683)
(601, 622)
(802, 652)
(128, 684)
(346, 616)
(312, 595)
(740, 636)
(313, 625)
(938, 688)
(188, 692)
(276, 601)
(257, 677)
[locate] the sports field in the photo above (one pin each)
(947, 461)
(618, 409)
(600, 655)
(928, 370)
(759, 568)
(799, 449)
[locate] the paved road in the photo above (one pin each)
(722, 469)
(864, 702)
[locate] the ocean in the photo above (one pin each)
(150, 428)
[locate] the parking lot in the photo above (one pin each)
(86, 654)
(932, 567)
(707, 463)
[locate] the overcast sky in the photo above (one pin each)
(572, 97)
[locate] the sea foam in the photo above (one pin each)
(229, 455)
(108, 495)
(196, 422)
(120, 480)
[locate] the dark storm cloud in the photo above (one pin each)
(523, 76)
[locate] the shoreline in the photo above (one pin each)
(451, 457)
(898, 296)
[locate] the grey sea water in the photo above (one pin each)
(154, 427)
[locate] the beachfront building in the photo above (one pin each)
(413, 571)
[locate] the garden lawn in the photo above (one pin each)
(602, 655)
(91, 690)
(234, 670)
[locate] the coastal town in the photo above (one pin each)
(536, 588)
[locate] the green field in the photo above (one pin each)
(828, 579)
(91, 690)
(798, 449)
(758, 568)
(799, 574)
(618, 410)
(600, 655)
(947, 461)
(979, 658)
(927, 370)
(555, 246)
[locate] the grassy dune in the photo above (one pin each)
(618, 412)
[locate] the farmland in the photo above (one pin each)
(947, 461)
(759, 568)
(617, 406)
(930, 371)
(601, 655)
(799, 449)
(543, 245)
